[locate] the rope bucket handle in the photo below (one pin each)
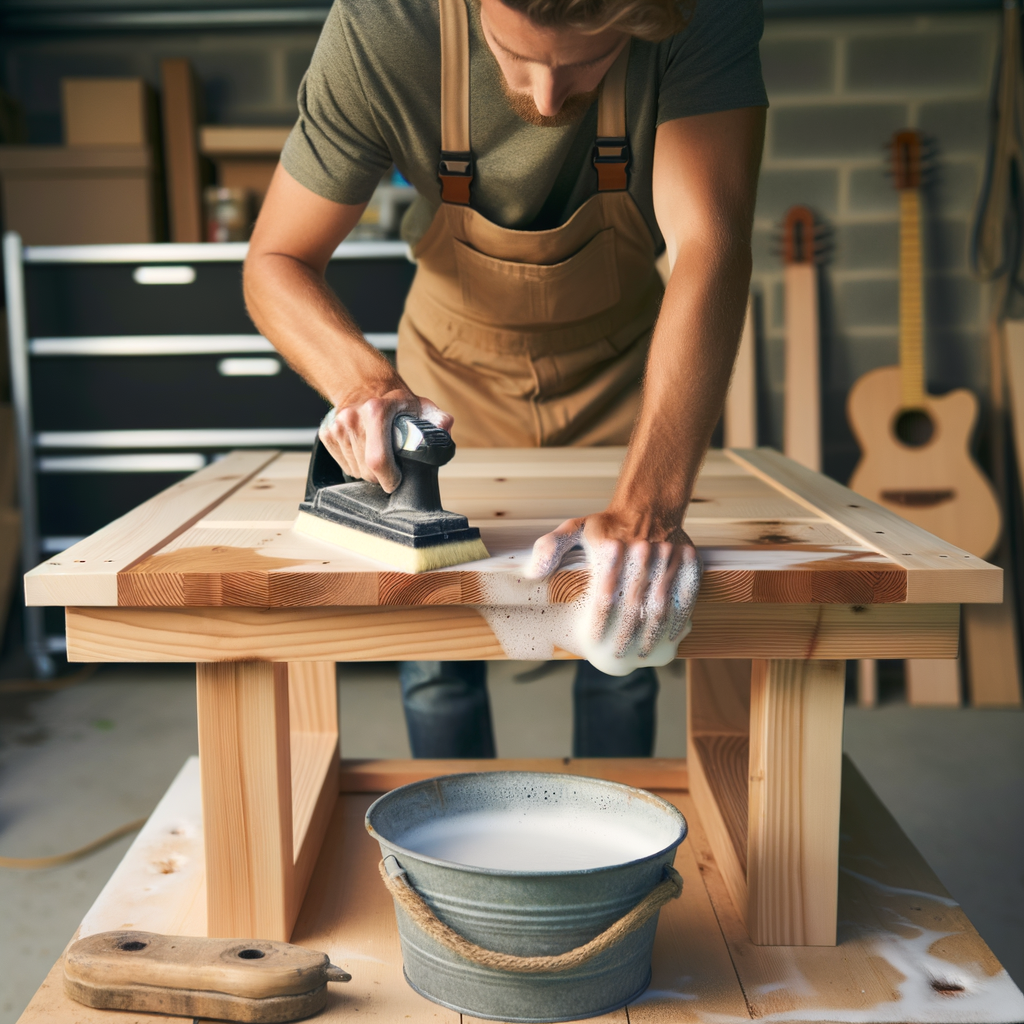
(397, 882)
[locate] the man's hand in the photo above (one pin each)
(359, 434)
(642, 591)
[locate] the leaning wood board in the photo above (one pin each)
(906, 950)
(770, 532)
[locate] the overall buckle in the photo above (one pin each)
(611, 157)
(455, 171)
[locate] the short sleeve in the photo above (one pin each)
(335, 148)
(714, 64)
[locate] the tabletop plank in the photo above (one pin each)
(935, 570)
(768, 530)
(88, 570)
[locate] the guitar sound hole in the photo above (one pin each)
(914, 427)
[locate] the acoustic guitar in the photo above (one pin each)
(915, 447)
(801, 433)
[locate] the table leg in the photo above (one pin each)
(764, 755)
(269, 764)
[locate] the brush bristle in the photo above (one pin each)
(401, 556)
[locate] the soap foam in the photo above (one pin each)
(529, 627)
(548, 840)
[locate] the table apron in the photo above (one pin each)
(455, 632)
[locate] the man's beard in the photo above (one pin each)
(574, 107)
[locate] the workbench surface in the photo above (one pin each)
(906, 951)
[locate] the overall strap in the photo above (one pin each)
(456, 166)
(611, 149)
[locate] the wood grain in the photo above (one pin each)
(315, 763)
(796, 737)
(460, 633)
(717, 747)
(762, 542)
(245, 758)
(90, 567)
(935, 570)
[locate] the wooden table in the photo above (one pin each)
(800, 574)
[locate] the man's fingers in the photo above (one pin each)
(549, 550)
(658, 616)
(606, 586)
(635, 580)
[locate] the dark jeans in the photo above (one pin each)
(448, 713)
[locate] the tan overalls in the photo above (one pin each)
(530, 337)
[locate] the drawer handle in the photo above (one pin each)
(265, 367)
(164, 275)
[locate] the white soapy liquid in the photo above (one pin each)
(549, 840)
(529, 628)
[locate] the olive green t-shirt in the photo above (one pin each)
(372, 97)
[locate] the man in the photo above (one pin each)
(557, 146)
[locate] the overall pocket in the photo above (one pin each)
(517, 294)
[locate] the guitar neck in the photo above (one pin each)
(911, 300)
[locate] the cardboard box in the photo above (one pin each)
(79, 195)
(106, 112)
(244, 157)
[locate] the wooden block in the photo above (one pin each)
(796, 743)
(802, 414)
(224, 140)
(105, 112)
(85, 195)
(181, 151)
(227, 979)
(740, 418)
(867, 682)
(933, 682)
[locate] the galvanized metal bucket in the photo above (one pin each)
(527, 912)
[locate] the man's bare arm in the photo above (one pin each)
(705, 184)
(291, 304)
(705, 181)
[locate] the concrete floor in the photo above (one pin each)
(79, 761)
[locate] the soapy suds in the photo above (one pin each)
(529, 627)
(547, 840)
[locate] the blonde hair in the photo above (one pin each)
(651, 20)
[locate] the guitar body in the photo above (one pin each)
(934, 483)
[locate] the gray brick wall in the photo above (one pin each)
(838, 89)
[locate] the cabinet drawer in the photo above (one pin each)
(80, 299)
(167, 392)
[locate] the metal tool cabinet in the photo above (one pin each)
(134, 365)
